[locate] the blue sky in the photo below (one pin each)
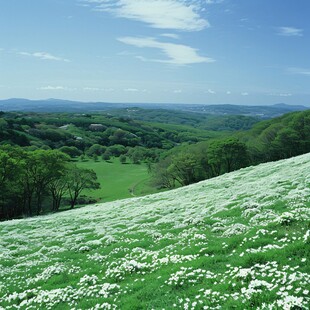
(163, 51)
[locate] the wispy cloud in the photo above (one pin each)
(301, 71)
(184, 15)
(177, 91)
(211, 91)
(177, 54)
(214, 1)
(43, 56)
(95, 89)
(290, 32)
(281, 94)
(91, 88)
(170, 35)
(132, 90)
(49, 87)
(244, 94)
(285, 95)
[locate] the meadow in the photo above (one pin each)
(238, 241)
(118, 181)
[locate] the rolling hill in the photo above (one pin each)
(60, 105)
(238, 241)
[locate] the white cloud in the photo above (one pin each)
(244, 94)
(177, 54)
(214, 1)
(177, 91)
(98, 89)
(91, 88)
(171, 35)
(281, 94)
(290, 32)
(228, 92)
(285, 95)
(49, 87)
(44, 56)
(133, 90)
(301, 71)
(181, 15)
(210, 91)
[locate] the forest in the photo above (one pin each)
(39, 152)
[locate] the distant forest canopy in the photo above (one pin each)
(275, 139)
(37, 151)
(162, 130)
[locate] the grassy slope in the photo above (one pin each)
(118, 180)
(239, 241)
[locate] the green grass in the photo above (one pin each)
(162, 252)
(118, 180)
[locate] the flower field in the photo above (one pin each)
(238, 241)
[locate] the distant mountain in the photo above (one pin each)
(59, 105)
(268, 111)
(55, 105)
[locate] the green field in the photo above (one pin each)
(118, 180)
(239, 241)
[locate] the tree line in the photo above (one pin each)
(270, 140)
(33, 182)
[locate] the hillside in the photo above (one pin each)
(238, 241)
(83, 130)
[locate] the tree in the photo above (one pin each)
(106, 155)
(117, 150)
(95, 149)
(10, 173)
(79, 180)
(287, 143)
(185, 168)
(123, 159)
(162, 178)
(42, 167)
(227, 155)
(72, 151)
(58, 188)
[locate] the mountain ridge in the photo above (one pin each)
(60, 105)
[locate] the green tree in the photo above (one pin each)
(162, 178)
(58, 187)
(42, 167)
(10, 175)
(227, 155)
(72, 151)
(95, 149)
(79, 180)
(123, 159)
(185, 168)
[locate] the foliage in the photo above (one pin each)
(270, 140)
(279, 138)
(227, 155)
(29, 178)
(78, 180)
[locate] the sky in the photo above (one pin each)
(253, 52)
